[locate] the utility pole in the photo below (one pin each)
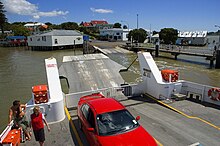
(150, 33)
(137, 21)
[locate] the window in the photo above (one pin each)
(88, 114)
(56, 42)
(85, 110)
(117, 33)
(43, 38)
(91, 119)
(30, 39)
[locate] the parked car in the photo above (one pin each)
(106, 122)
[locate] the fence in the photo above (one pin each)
(119, 93)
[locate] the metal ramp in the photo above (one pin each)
(91, 73)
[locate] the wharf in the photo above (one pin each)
(211, 56)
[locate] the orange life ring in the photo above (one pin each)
(166, 75)
(214, 94)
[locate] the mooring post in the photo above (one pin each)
(176, 56)
(217, 62)
(211, 62)
(157, 49)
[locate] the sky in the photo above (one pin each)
(183, 15)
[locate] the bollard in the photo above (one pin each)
(217, 63)
(157, 50)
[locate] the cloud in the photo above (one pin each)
(101, 10)
(23, 7)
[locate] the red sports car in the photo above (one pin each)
(106, 122)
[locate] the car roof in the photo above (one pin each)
(103, 105)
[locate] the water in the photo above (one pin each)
(20, 69)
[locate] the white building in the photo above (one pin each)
(192, 38)
(55, 39)
(115, 34)
(35, 26)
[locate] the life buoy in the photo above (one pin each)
(214, 94)
(166, 75)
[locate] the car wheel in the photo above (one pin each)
(80, 124)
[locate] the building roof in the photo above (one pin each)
(15, 37)
(155, 36)
(95, 22)
(87, 24)
(192, 34)
(62, 33)
(33, 24)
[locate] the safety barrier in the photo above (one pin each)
(121, 92)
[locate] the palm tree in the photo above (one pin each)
(3, 18)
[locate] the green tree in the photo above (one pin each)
(168, 35)
(19, 29)
(117, 25)
(138, 35)
(3, 18)
(69, 26)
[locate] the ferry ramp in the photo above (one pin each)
(86, 74)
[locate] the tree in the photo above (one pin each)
(20, 30)
(117, 25)
(138, 35)
(69, 26)
(168, 35)
(3, 18)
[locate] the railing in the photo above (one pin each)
(6, 131)
(198, 90)
(71, 100)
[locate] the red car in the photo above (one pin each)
(106, 122)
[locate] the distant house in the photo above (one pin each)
(99, 24)
(155, 38)
(192, 38)
(55, 39)
(35, 27)
(213, 41)
(115, 34)
(7, 32)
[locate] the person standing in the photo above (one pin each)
(37, 124)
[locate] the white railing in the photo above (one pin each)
(195, 89)
(71, 100)
(6, 131)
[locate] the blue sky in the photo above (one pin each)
(184, 15)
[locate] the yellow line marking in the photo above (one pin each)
(73, 127)
(158, 143)
(190, 117)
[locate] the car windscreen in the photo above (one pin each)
(115, 122)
